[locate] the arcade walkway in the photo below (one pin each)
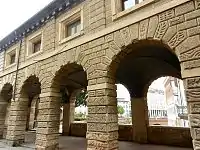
(74, 143)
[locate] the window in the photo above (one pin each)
(126, 4)
(123, 7)
(12, 58)
(73, 28)
(34, 44)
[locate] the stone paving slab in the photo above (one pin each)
(76, 143)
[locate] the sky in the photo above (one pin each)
(16, 12)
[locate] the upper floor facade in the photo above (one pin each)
(62, 25)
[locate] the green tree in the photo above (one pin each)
(120, 110)
(81, 98)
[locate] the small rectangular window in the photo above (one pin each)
(73, 28)
(12, 58)
(36, 46)
(126, 4)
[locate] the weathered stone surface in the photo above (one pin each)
(191, 54)
(102, 145)
(192, 83)
(102, 127)
(188, 44)
(194, 31)
(134, 31)
(161, 29)
(177, 39)
(169, 34)
(196, 144)
(192, 15)
(194, 107)
(194, 120)
(105, 100)
(126, 36)
(193, 95)
(166, 15)
(102, 136)
(176, 20)
(187, 25)
(195, 133)
(191, 64)
(102, 109)
(102, 118)
(182, 9)
(153, 22)
(143, 29)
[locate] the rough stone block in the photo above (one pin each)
(193, 94)
(153, 23)
(143, 29)
(102, 101)
(102, 127)
(102, 118)
(166, 15)
(188, 44)
(192, 83)
(102, 136)
(187, 25)
(185, 8)
(192, 15)
(176, 20)
(194, 120)
(195, 133)
(169, 34)
(194, 31)
(194, 107)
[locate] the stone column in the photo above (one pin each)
(17, 121)
(102, 121)
(6, 120)
(47, 134)
(68, 114)
(139, 119)
(3, 113)
(193, 100)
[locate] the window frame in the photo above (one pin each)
(38, 36)
(67, 20)
(8, 53)
(117, 8)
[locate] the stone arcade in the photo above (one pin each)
(94, 44)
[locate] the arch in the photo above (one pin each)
(29, 92)
(138, 64)
(68, 79)
(70, 71)
(6, 95)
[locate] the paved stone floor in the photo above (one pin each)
(74, 143)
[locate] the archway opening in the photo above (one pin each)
(167, 104)
(71, 82)
(123, 105)
(6, 95)
(136, 66)
(29, 96)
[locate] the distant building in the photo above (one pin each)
(176, 102)
(156, 107)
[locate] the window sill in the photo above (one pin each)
(34, 54)
(71, 37)
(132, 9)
